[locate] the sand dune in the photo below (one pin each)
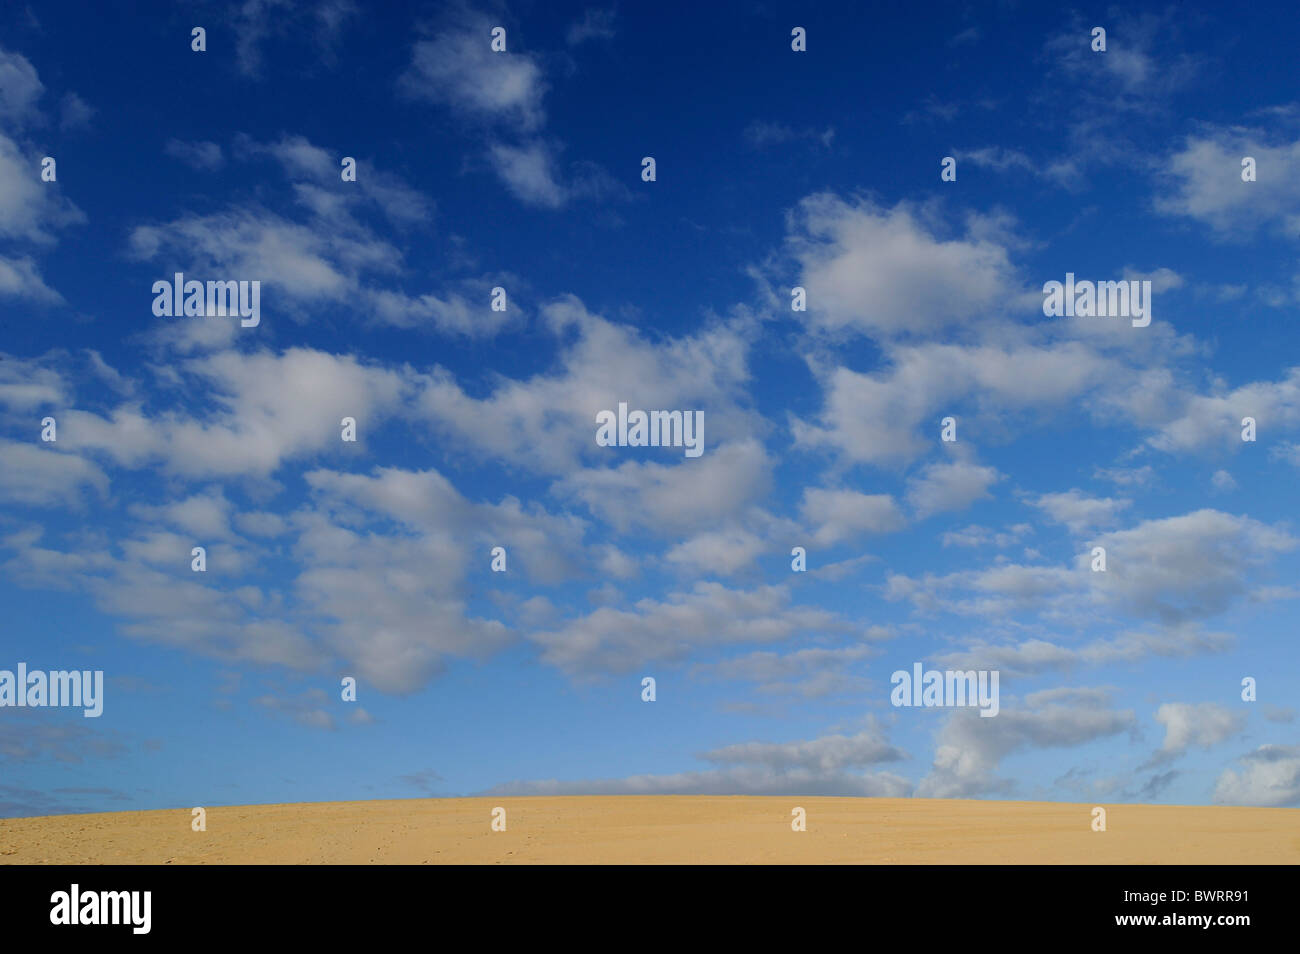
(662, 829)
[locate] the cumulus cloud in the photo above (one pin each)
(835, 516)
(456, 67)
(30, 210)
(1187, 421)
(829, 765)
(28, 384)
(1037, 655)
(949, 486)
(1203, 182)
(1171, 571)
(970, 748)
(547, 423)
(1202, 725)
(20, 87)
(38, 475)
(1136, 75)
(1188, 567)
(462, 310)
(532, 172)
(324, 248)
(267, 408)
(1270, 775)
(1078, 511)
(549, 547)
(529, 172)
(709, 616)
(996, 591)
(812, 673)
(877, 417)
(21, 278)
(314, 172)
(885, 272)
(306, 264)
(723, 551)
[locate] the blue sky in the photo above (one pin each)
(476, 428)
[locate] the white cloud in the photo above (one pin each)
(970, 748)
(1079, 512)
(835, 516)
(20, 278)
(1162, 279)
(1270, 776)
(315, 173)
(547, 423)
(884, 271)
(466, 313)
(1202, 725)
(206, 516)
(722, 552)
(877, 417)
(20, 87)
(996, 591)
(391, 605)
(1127, 476)
(1288, 451)
(1188, 421)
(1172, 571)
(830, 765)
(1134, 75)
(265, 409)
(954, 485)
(26, 385)
(709, 616)
(1204, 182)
(457, 68)
(304, 263)
(39, 475)
(1036, 655)
(30, 209)
(549, 547)
(812, 673)
(1187, 567)
(529, 172)
(1223, 481)
(691, 494)
(163, 604)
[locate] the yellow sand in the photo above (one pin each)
(662, 829)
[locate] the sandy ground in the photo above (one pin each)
(662, 829)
